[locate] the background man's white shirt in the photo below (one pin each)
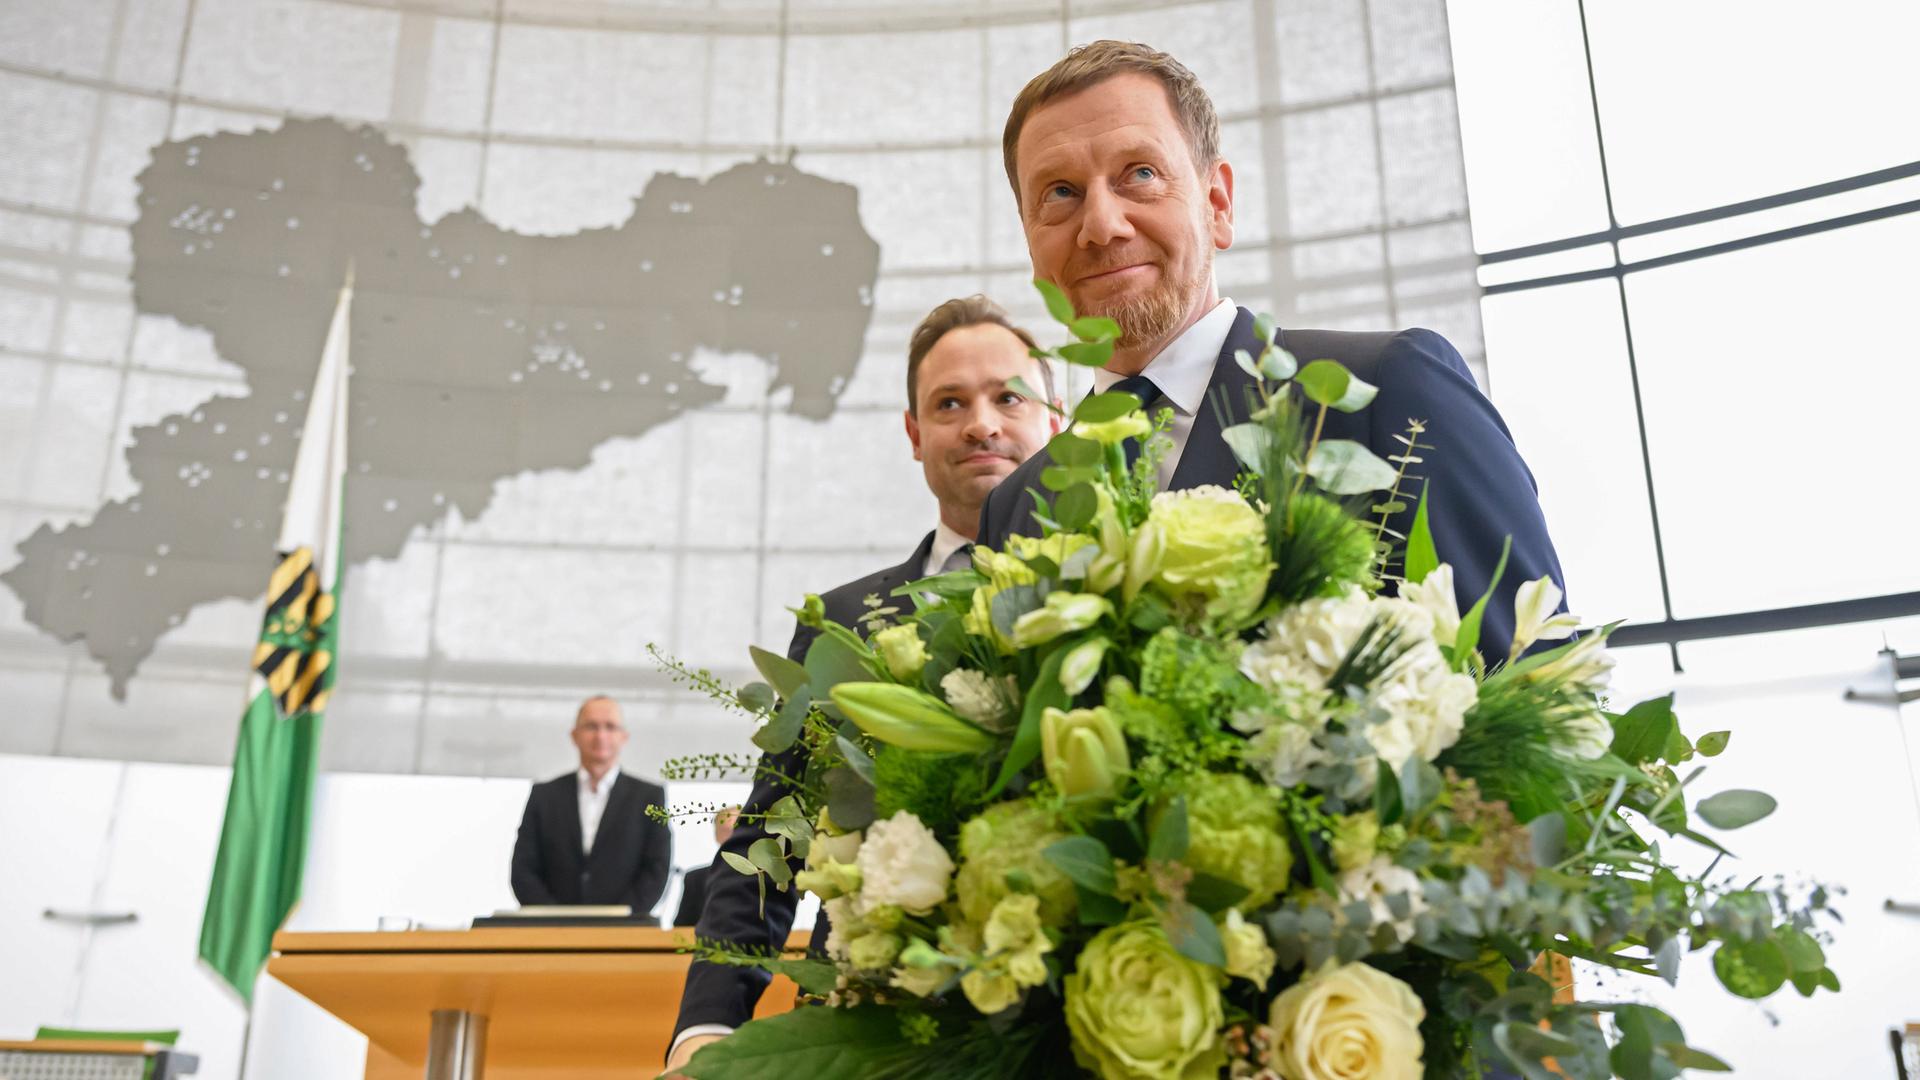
(945, 543)
(593, 804)
(1182, 371)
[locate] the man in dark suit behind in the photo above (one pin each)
(1114, 156)
(969, 429)
(586, 837)
(693, 887)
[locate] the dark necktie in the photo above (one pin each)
(961, 559)
(1143, 388)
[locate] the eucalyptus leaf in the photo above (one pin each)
(1548, 836)
(1057, 303)
(1689, 1057)
(766, 854)
(849, 798)
(857, 759)
(740, 864)
(1249, 443)
(1193, 934)
(1095, 328)
(1712, 743)
(1025, 389)
(1169, 839)
(1263, 328)
(1058, 478)
(1803, 953)
(1641, 733)
(1345, 467)
(1214, 894)
(1073, 451)
(1733, 809)
(783, 674)
(1099, 408)
(1087, 353)
(1074, 509)
(1247, 363)
(755, 697)
(832, 661)
(1084, 861)
(1326, 382)
(1277, 364)
(779, 733)
(1750, 969)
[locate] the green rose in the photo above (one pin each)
(1235, 832)
(1061, 613)
(1084, 752)
(1138, 1010)
(1216, 561)
(1005, 837)
(1355, 837)
(1119, 429)
(905, 654)
(1055, 548)
(1003, 571)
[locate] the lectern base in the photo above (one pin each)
(457, 1046)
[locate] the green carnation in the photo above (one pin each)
(1216, 561)
(1235, 832)
(1138, 1010)
(1011, 836)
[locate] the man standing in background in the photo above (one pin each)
(586, 837)
(969, 429)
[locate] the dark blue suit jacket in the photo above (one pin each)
(1479, 490)
(723, 994)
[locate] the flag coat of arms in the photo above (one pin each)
(263, 841)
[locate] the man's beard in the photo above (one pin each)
(1152, 316)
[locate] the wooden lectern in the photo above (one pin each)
(514, 1003)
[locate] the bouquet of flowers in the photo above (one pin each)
(1219, 783)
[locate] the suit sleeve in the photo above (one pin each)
(529, 878)
(693, 897)
(656, 854)
(722, 993)
(1479, 491)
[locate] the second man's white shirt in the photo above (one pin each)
(593, 804)
(945, 543)
(1182, 371)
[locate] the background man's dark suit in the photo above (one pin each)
(693, 895)
(1480, 492)
(718, 994)
(632, 853)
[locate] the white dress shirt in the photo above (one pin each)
(945, 543)
(1182, 371)
(593, 804)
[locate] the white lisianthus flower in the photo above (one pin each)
(1346, 1023)
(823, 849)
(1586, 737)
(978, 697)
(1373, 882)
(1534, 618)
(1248, 954)
(902, 650)
(1434, 595)
(1283, 753)
(842, 925)
(902, 863)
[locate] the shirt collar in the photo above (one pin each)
(1185, 367)
(606, 782)
(945, 543)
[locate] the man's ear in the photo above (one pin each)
(1220, 205)
(1053, 417)
(913, 433)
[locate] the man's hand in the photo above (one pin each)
(684, 1053)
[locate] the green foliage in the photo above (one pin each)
(1507, 745)
(1320, 551)
(1198, 676)
(941, 790)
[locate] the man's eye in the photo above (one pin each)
(1011, 398)
(1058, 192)
(948, 403)
(1144, 172)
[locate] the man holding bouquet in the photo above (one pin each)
(1114, 158)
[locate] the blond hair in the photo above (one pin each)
(1095, 63)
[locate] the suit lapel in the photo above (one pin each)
(913, 569)
(569, 811)
(1207, 459)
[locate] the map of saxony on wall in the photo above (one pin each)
(477, 353)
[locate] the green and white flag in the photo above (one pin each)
(263, 843)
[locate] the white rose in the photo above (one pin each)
(1434, 595)
(1283, 753)
(902, 863)
(1372, 883)
(1348, 1023)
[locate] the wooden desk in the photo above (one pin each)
(567, 1003)
(28, 1058)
